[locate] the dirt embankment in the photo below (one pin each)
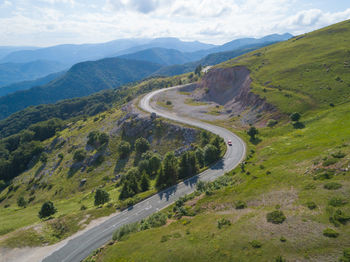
(230, 87)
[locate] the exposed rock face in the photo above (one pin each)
(150, 127)
(230, 87)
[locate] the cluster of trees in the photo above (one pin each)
(17, 151)
(168, 170)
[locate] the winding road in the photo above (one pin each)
(80, 247)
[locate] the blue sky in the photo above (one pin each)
(50, 22)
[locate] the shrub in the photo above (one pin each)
(339, 217)
(125, 230)
(329, 162)
(83, 207)
(332, 186)
(346, 255)
(272, 123)
(47, 209)
(21, 202)
(311, 205)
(155, 220)
(339, 155)
(168, 103)
(240, 204)
(283, 239)
(252, 132)
(280, 259)
(328, 232)
(255, 244)
(223, 222)
(295, 117)
(276, 217)
(101, 197)
(337, 201)
(79, 155)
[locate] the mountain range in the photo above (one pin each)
(89, 77)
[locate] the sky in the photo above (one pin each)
(52, 22)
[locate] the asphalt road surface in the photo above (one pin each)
(80, 247)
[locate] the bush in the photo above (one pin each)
(339, 217)
(283, 239)
(311, 205)
(155, 220)
(330, 161)
(332, 186)
(295, 117)
(168, 103)
(280, 259)
(328, 232)
(337, 201)
(101, 197)
(252, 132)
(21, 202)
(272, 123)
(79, 155)
(339, 155)
(240, 204)
(83, 207)
(47, 209)
(223, 222)
(255, 244)
(346, 255)
(125, 230)
(276, 217)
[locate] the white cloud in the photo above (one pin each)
(50, 22)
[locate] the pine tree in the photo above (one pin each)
(170, 168)
(144, 182)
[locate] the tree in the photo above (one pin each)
(144, 182)
(295, 117)
(198, 70)
(124, 149)
(184, 166)
(141, 145)
(170, 168)
(161, 179)
(79, 155)
(144, 166)
(200, 157)
(126, 192)
(204, 138)
(216, 142)
(21, 202)
(210, 154)
(97, 139)
(154, 164)
(252, 132)
(47, 209)
(101, 197)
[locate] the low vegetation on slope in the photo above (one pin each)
(288, 201)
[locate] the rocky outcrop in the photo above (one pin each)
(230, 87)
(134, 125)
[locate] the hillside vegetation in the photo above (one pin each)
(289, 200)
(117, 152)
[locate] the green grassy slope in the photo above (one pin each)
(286, 171)
(307, 72)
